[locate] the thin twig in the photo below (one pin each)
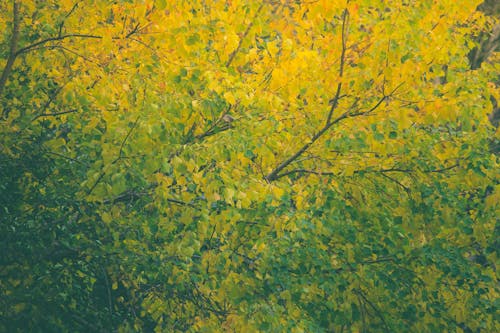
(212, 129)
(407, 190)
(245, 34)
(120, 156)
(335, 101)
(319, 173)
(181, 203)
(61, 26)
(62, 37)
(274, 174)
(66, 157)
(374, 307)
(51, 98)
(110, 300)
(127, 136)
(55, 113)
(54, 39)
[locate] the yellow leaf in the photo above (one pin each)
(106, 217)
(229, 97)
(277, 192)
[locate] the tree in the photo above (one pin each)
(246, 166)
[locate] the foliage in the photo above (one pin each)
(301, 166)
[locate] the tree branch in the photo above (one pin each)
(55, 113)
(65, 157)
(335, 101)
(13, 45)
(110, 300)
(134, 125)
(274, 174)
(245, 34)
(61, 26)
(383, 172)
(54, 39)
(314, 172)
(215, 125)
(25, 49)
(120, 156)
(407, 190)
(374, 307)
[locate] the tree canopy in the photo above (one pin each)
(247, 166)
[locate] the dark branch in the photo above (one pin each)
(133, 31)
(54, 39)
(335, 101)
(120, 156)
(30, 47)
(132, 195)
(217, 126)
(383, 172)
(181, 203)
(61, 26)
(314, 172)
(13, 45)
(275, 174)
(55, 113)
(66, 157)
(444, 169)
(407, 190)
(134, 125)
(245, 34)
(374, 307)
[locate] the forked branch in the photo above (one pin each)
(275, 174)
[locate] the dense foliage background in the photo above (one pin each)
(274, 166)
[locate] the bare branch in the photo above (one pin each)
(133, 31)
(444, 169)
(379, 102)
(51, 98)
(273, 175)
(179, 202)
